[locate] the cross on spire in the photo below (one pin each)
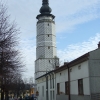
(45, 2)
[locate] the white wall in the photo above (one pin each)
(79, 73)
(75, 74)
(39, 88)
(74, 87)
(42, 82)
(61, 78)
(86, 86)
(45, 45)
(82, 73)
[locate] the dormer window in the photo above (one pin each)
(79, 67)
(70, 69)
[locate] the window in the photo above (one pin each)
(48, 47)
(49, 61)
(53, 80)
(42, 79)
(79, 67)
(50, 82)
(43, 91)
(50, 95)
(58, 88)
(48, 24)
(47, 82)
(66, 88)
(53, 94)
(38, 91)
(80, 86)
(47, 95)
(70, 69)
(48, 35)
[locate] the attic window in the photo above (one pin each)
(70, 69)
(79, 67)
(60, 74)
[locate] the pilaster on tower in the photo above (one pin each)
(46, 56)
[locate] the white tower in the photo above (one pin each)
(46, 56)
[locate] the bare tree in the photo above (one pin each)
(10, 64)
(31, 80)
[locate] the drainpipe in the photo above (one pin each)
(47, 85)
(46, 76)
(55, 96)
(68, 83)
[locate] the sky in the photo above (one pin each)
(77, 28)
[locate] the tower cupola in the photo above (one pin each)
(45, 9)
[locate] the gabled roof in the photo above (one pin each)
(46, 74)
(73, 63)
(78, 60)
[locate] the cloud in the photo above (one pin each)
(75, 12)
(28, 51)
(70, 52)
(69, 14)
(75, 50)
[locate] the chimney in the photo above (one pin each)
(57, 67)
(65, 63)
(99, 45)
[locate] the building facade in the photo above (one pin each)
(80, 78)
(46, 56)
(46, 86)
(75, 80)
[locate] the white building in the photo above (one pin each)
(80, 78)
(76, 80)
(46, 86)
(46, 56)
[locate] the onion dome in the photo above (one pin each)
(45, 9)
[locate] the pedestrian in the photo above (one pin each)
(20, 98)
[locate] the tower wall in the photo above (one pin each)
(46, 39)
(46, 46)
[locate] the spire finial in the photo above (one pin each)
(99, 44)
(45, 2)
